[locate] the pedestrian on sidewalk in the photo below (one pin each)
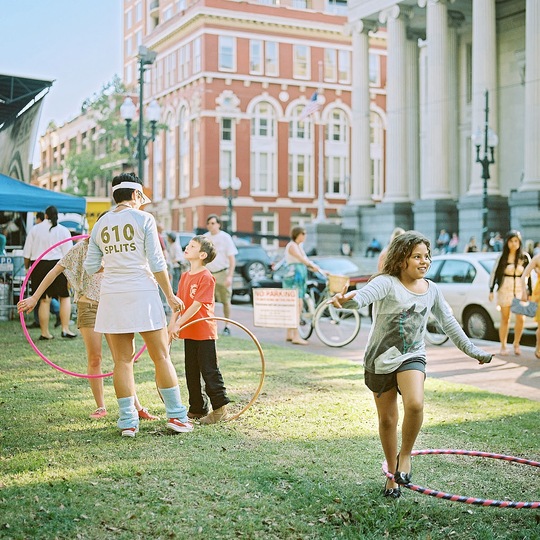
(197, 292)
(86, 296)
(395, 355)
(126, 241)
(535, 296)
(382, 256)
(506, 277)
(222, 267)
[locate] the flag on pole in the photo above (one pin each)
(312, 107)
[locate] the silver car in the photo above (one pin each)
(463, 278)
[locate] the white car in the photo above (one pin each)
(463, 278)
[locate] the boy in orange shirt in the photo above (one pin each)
(196, 290)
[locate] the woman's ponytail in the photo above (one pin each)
(51, 213)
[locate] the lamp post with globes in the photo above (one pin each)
(490, 140)
(230, 188)
(153, 111)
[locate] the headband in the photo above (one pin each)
(132, 185)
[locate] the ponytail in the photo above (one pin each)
(51, 213)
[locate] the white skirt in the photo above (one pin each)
(129, 312)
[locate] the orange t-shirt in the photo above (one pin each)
(199, 288)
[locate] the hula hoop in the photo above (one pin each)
(261, 354)
(462, 498)
(25, 329)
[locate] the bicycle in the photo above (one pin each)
(335, 327)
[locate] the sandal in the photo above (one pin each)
(402, 477)
(392, 493)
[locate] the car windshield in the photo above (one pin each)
(337, 266)
(488, 264)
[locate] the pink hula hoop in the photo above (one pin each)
(25, 329)
(463, 498)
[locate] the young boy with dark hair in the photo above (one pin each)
(196, 290)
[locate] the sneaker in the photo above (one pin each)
(145, 415)
(175, 424)
(100, 412)
(226, 331)
(218, 415)
(129, 432)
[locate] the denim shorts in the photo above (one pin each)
(384, 382)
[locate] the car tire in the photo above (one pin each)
(254, 270)
(478, 324)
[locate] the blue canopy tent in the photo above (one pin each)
(17, 196)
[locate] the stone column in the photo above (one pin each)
(396, 105)
(531, 179)
(360, 101)
(484, 77)
(413, 150)
(455, 19)
(437, 185)
(422, 106)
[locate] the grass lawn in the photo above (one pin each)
(303, 463)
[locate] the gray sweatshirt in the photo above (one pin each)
(399, 323)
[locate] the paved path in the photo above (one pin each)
(511, 375)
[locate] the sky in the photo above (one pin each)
(76, 43)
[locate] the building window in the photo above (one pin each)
(330, 65)
(301, 62)
(138, 38)
(337, 7)
(338, 126)
(374, 69)
(138, 11)
(180, 5)
(197, 63)
(183, 153)
(376, 155)
(255, 57)
(167, 14)
(344, 63)
(129, 19)
(263, 149)
(227, 169)
(226, 53)
(337, 174)
(226, 129)
(171, 69)
(337, 153)
(196, 151)
(128, 46)
(266, 225)
(271, 52)
(300, 155)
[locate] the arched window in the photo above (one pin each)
(264, 149)
(300, 154)
(337, 152)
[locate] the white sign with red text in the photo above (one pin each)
(275, 308)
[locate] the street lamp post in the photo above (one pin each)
(490, 140)
(153, 111)
(230, 188)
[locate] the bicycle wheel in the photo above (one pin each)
(434, 333)
(305, 326)
(336, 327)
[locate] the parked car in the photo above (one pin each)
(337, 265)
(252, 263)
(183, 238)
(464, 281)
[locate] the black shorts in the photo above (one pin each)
(382, 383)
(58, 288)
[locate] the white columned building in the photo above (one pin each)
(436, 85)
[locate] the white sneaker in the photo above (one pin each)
(130, 432)
(175, 424)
